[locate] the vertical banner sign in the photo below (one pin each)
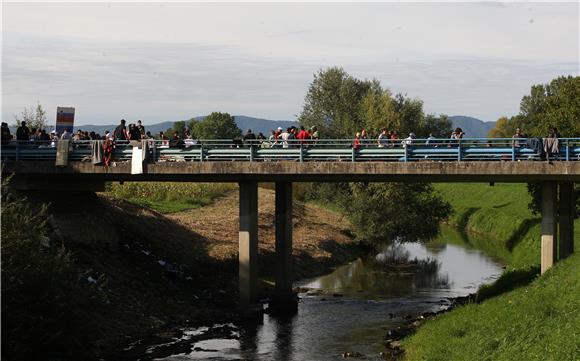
(65, 119)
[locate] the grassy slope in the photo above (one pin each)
(538, 321)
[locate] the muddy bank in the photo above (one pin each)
(158, 272)
(321, 239)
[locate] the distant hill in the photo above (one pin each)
(473, 127)
(244, 123)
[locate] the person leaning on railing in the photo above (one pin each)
(519, 134)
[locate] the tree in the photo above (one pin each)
(340, 105)
(385, 211)
(556, 104)
(440, 126)
(217, 126)
(178, 127)
(410, 112)
(503, 129)
(332, 103)
(35, 118)
(378, 111)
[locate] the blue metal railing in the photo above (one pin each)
(406, 150)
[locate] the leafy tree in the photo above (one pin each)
(385, 211)
(339, 105)
(410, 112)
(216, 126)
(378, 111)
(556, 104)
(34, 117)
(333, 101)
(440, 126)
(178, 127)
(503, 129)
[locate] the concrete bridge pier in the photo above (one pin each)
(567, 210)
(549, 225)
(248, 244)
(284, 299)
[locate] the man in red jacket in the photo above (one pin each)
(303, 135)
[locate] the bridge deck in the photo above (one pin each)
(523, 171)
(441, 160)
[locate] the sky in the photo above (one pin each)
(172, 61)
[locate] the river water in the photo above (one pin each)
(348, 310)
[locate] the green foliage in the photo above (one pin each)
(556, 104)
(44, 297)
(535, 191)
(216, 126)
(440, 127)
(333, 103)
(384, 211)
(167, 197)
(381, 212)
(340, 105)
(178, 127)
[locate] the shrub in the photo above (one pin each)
(46, 303)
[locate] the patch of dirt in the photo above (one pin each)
(319, 235)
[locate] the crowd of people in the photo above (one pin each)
(280, 138)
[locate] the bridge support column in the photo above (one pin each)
(566, 220)
(548, 225)
(248, 243)
(284, 299)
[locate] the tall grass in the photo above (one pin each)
(169, 197)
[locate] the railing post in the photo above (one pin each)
(301, 153)
(567, 150)
(17, 155)
(201, 152)
(406, 156)
(251, 152)
(459, 150)
(353, 154)
(513, 151)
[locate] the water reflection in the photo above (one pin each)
(395, 272)
(353, 306)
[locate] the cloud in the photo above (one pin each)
(159, 63)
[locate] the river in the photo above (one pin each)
(348, 310)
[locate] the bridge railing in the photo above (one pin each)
(400, 150)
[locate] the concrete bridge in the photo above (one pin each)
(283, 166)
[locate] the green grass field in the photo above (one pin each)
(167, 197)
(521, 316)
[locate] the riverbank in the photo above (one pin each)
(521, 316)
(157, 271)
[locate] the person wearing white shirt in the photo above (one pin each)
(66, 135)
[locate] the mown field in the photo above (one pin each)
(522, 316)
